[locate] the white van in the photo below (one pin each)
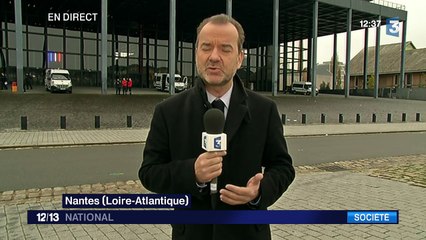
(58, 80)
(303, 87)
(161, 82)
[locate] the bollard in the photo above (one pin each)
(14, 87)
(303, 118)
(323, 117)
(374, 118)
(340, 118)
(389, 117)
(418, 117)
(129, 121)
(358, 118)
(24, 125)
(404, 117)
(63, 122)
(283, 118)
(97, 121)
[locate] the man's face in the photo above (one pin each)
(217, 55)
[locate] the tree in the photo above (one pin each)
(325, 86)
(371, 82)
(338, 71)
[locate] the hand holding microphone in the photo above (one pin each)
(208, 165)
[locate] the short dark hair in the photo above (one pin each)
(223, 19)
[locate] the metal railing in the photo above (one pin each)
(389, 4)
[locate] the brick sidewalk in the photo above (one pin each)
(362, 184)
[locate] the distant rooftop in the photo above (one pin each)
(389, 59)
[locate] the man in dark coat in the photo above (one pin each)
(255, 170)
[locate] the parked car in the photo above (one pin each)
(303, 88)
(58, 80)
(161, 82)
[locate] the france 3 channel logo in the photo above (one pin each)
(218, 142)
(392, 26)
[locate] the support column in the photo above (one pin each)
(19, 48)
(97, 56)
(156, 51)
(181, 58)
(275, 53)
(376, 64)
(6, 41)
(285, 69)
(127, 53)
(348, 52)
(45, 48)
(2, 59)
(314, 48)
(147, 63)
(292, 61)
(308, 72)
(104, 46)
(300, 59)
(365, 76)
(404, 39)
(113, 50)
(64, 43)
(229, 8)
(335, 62)
(82, 82)
(27, 45)
(172, 46)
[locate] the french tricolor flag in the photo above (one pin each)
(54, 56)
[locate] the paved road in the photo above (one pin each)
(321, 149)
(65, 166)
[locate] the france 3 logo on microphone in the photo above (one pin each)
(213, 142)
(218, 143)
(392, 26)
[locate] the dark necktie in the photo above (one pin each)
(219, 105)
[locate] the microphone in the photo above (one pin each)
(213, 139)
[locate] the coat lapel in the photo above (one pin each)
(238, 109)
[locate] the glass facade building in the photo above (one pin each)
(129, 55)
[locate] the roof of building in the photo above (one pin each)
(148, 18)
(389, 59)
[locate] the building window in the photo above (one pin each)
(410, 80)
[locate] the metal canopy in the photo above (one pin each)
(152, 17)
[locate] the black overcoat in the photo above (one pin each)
(255, 140)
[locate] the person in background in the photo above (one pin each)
(117, 86)
(129, 85)
(254, 171)
(27, 82)
(124, 86)
(3, 81)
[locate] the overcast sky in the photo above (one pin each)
(416, 32)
